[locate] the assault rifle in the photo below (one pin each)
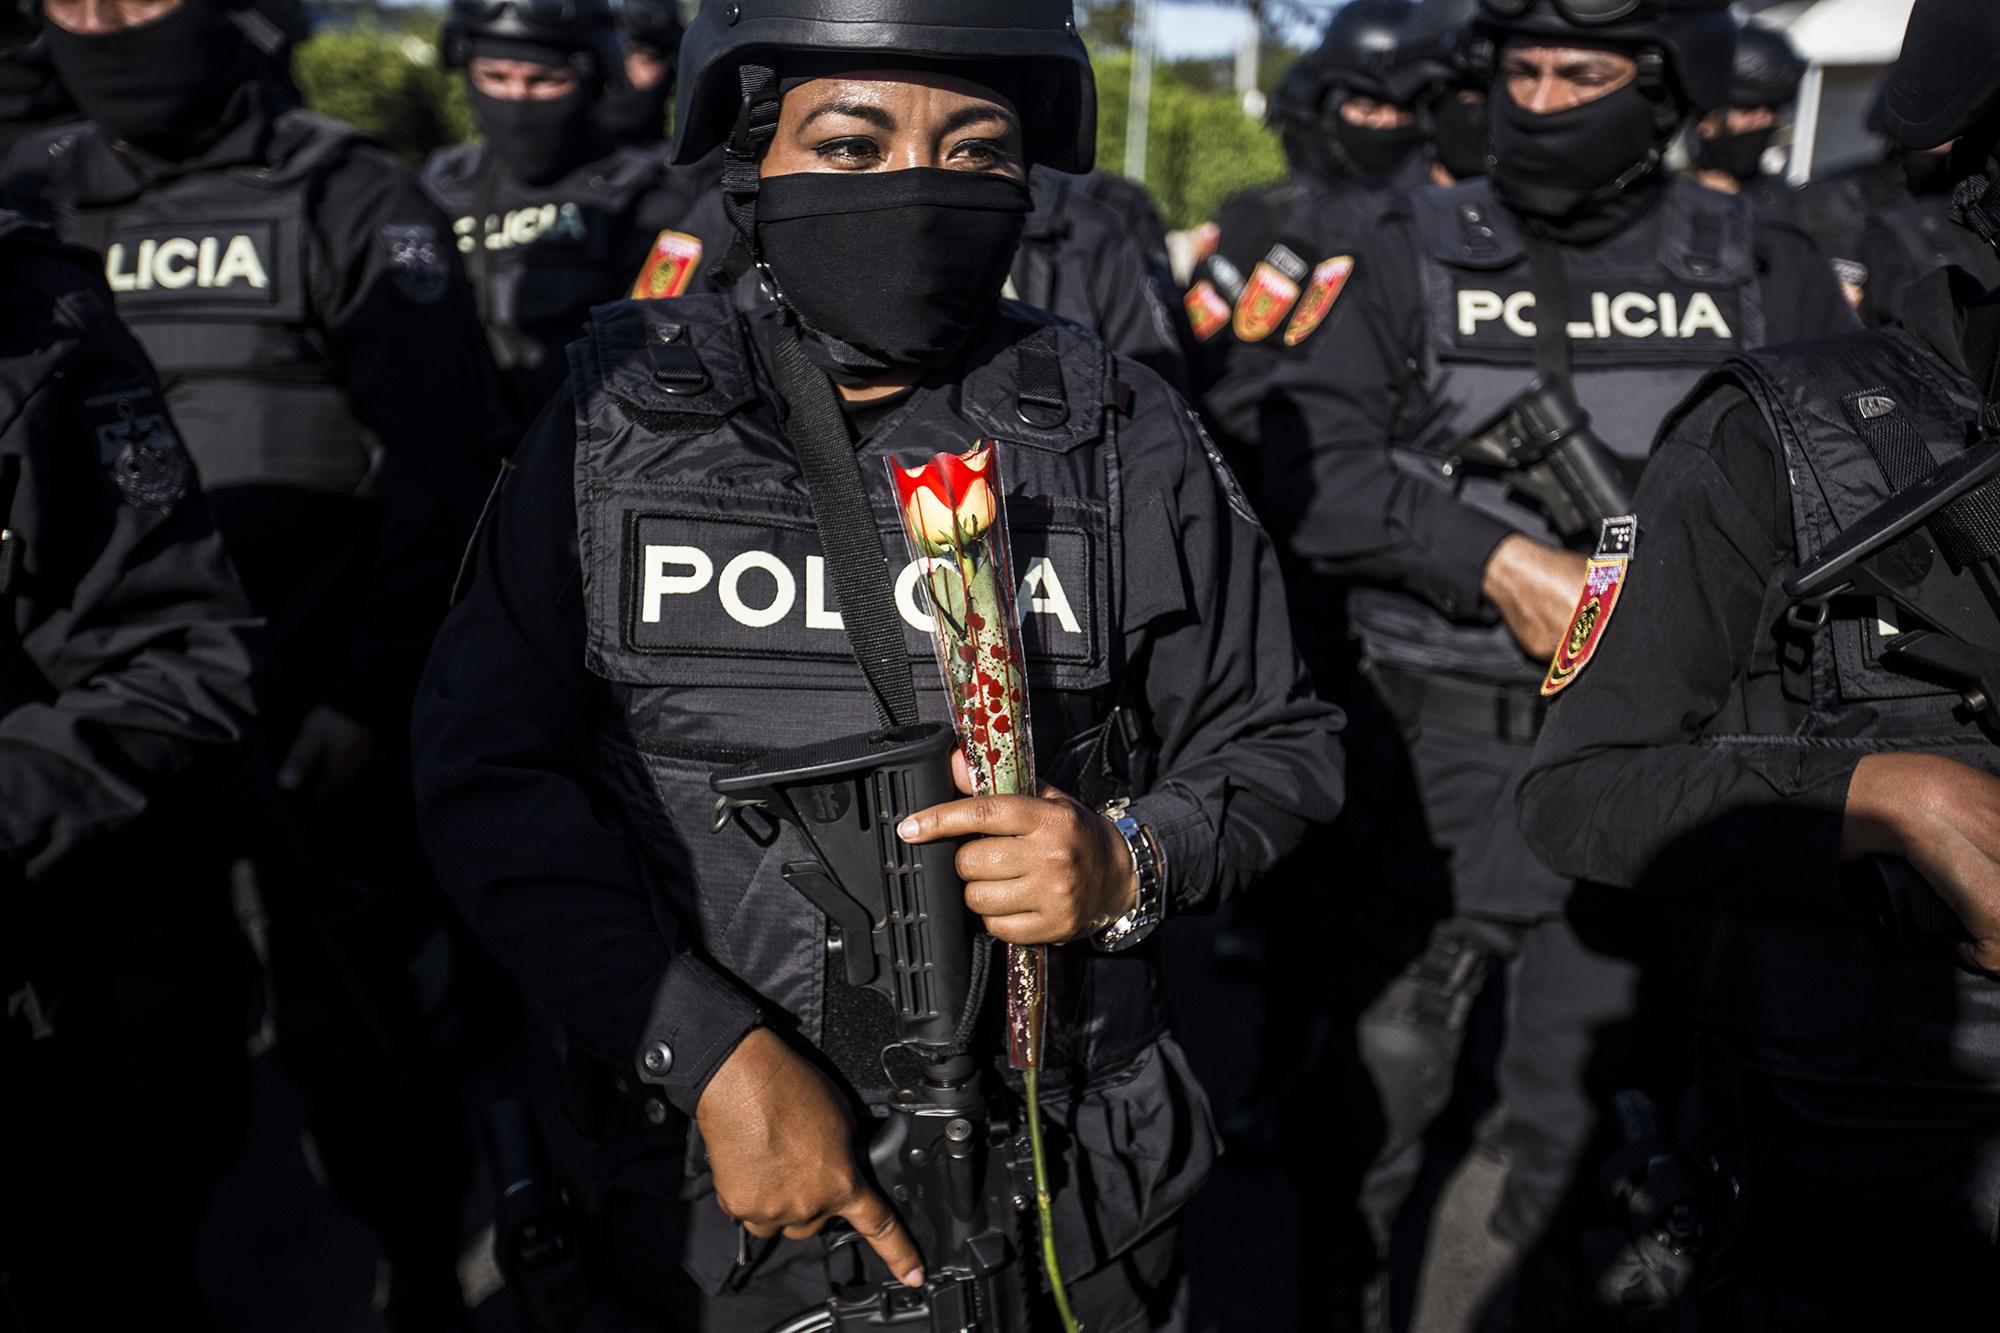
(1924, 550)
(1542, 446)
(956, 1172)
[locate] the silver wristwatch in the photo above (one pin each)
(1149, 862)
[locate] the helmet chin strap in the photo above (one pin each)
(756, 126)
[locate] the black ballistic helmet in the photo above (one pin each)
(583, 28)
(652, 23)
(1437, 44)
(1364, 52)
(1296, 100)
(1695, 39)
(1767, 69)
(730, 39)
(1947, 80)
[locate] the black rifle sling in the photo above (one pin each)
(847, 534)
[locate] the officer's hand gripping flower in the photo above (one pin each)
(881, 190)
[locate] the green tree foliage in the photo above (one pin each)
(1200, 147)
(387, 81)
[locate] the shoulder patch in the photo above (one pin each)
(1269, 295)
(137, 448)
(1225, 475)
(1603, 581)
(416, 260)
(1852, 275)
(1207, 239)
(1322, 290)
(1207, 310)
(670, 266)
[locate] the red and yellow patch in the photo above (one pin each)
(1207, 310)
(1603, 580)
(669, 267)
(1322, 290)
(1269, 295)
(1207, 237)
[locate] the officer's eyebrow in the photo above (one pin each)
(858, 109)
(976, 113)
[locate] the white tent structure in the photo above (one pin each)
(1849, 43)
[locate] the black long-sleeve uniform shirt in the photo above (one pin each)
(1622, 789)
(125, 655)
(355, 592)
(513, 797)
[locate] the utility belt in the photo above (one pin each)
(1493, 709)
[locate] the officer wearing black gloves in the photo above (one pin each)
(651, 602)
(1731, 141)
(1463, 586)
(124, 687)
(299, 294)
(1791, 768)
(636, 111)
(551, 213)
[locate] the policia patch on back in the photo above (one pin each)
(1603, 580)
(137, 448)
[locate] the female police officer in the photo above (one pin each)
(651, 601)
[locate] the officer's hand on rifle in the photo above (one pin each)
(1943, 817)
(1534, 588)
(1040, 869)
(781, 1147)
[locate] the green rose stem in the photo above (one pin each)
(969, 582)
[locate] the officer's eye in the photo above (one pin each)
(852, 152)
(983, 154)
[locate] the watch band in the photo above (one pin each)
(1149, 863)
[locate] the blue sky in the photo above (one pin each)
(1202, 28)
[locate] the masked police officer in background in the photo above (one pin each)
(550, 212)
(1345, 116)
(1740, 758)
(635, 111)
(319, 350)
(1904, 241)
(1732, 140)
(1462, 580)
(1452, 104)
(124, 690)
(611, 654)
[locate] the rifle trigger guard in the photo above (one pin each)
(1809, 617)
(728, 808)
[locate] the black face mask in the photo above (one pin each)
(1740, 155)
(636, 115)
(1566, 162)
(888, 269)
(161, 85)
(1375, 152)
(537, 141)
(1459, 134)
(1928, 173)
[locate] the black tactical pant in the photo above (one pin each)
(1861, 1227)
(1465, 932)
(124, 1005)
(346, 899)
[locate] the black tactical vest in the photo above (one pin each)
(540, 257)
(219, 275)
(1838, 1002)
(1651, 310)
(1930, 240)
(712, 620)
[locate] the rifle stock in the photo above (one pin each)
(1542, 446)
